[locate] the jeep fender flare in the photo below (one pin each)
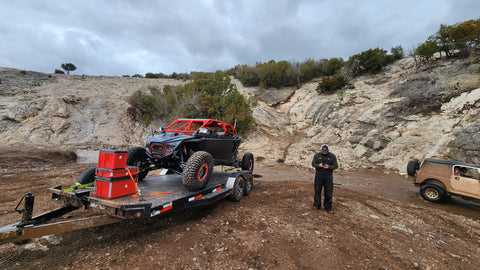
(437, 182)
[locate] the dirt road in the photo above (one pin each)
(378, 222)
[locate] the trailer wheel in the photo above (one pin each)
(238, 189)
(248, 185)
(137, 156)
(197, 171)
(88, 176)
(248, 162)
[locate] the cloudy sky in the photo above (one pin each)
(136, 37)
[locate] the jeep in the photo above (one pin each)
(440, 179)
(190, 147)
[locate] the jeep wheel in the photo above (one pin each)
(412, 167)
(238, 187)
(137, 156)
(432, 193)
(88, 176)
(197, 171)
(247, 162)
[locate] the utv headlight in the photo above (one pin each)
(160, 150)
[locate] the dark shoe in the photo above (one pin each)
(317, 206)
(328, 210)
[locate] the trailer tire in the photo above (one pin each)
(248, 162)
(238, 189)
(248, 185)
(197, 171)
(137, 156)
(88, 176)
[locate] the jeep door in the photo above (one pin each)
(466, 182)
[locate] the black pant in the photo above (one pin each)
(323, 179)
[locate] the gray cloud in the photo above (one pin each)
(128, 37)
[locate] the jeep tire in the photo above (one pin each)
(197, 171)
(247, 162)
(137, 156)
(412, 167)
(432, 193)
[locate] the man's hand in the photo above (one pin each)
(325, 166)
(321, 165)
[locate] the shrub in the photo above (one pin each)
(331, 84)
(370, 61)
(57, 71)
(397, 52)
(427, 50)
(137, 76)
(23, 72)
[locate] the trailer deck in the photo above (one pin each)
(157, 195)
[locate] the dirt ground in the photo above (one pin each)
(379, 222)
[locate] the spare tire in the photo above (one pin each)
(248, 162)
(137, 156)
(412, 167)
(88, 176)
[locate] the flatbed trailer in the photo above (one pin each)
(156, 196)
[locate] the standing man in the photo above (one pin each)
(324, 164)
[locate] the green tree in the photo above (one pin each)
(443, 38)
(369, 61)
(466, 36)
(426, 51)
(68, 67)
(334, 65)
(397, 52)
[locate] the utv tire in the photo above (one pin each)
(238, 189)
(137, 156)
(432, 193)
(412, 167)
(248, 162)
(197, 171)
(88, 176)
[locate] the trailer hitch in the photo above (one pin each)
(27, 210)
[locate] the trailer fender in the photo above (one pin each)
(231, 181)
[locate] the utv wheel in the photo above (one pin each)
(197, 171)
(432, 193)
(137, 156)
(248, 185)
(247, 162)
(412, 167)
(88, 176)
(238, 189)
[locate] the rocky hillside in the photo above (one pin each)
(383, 122)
